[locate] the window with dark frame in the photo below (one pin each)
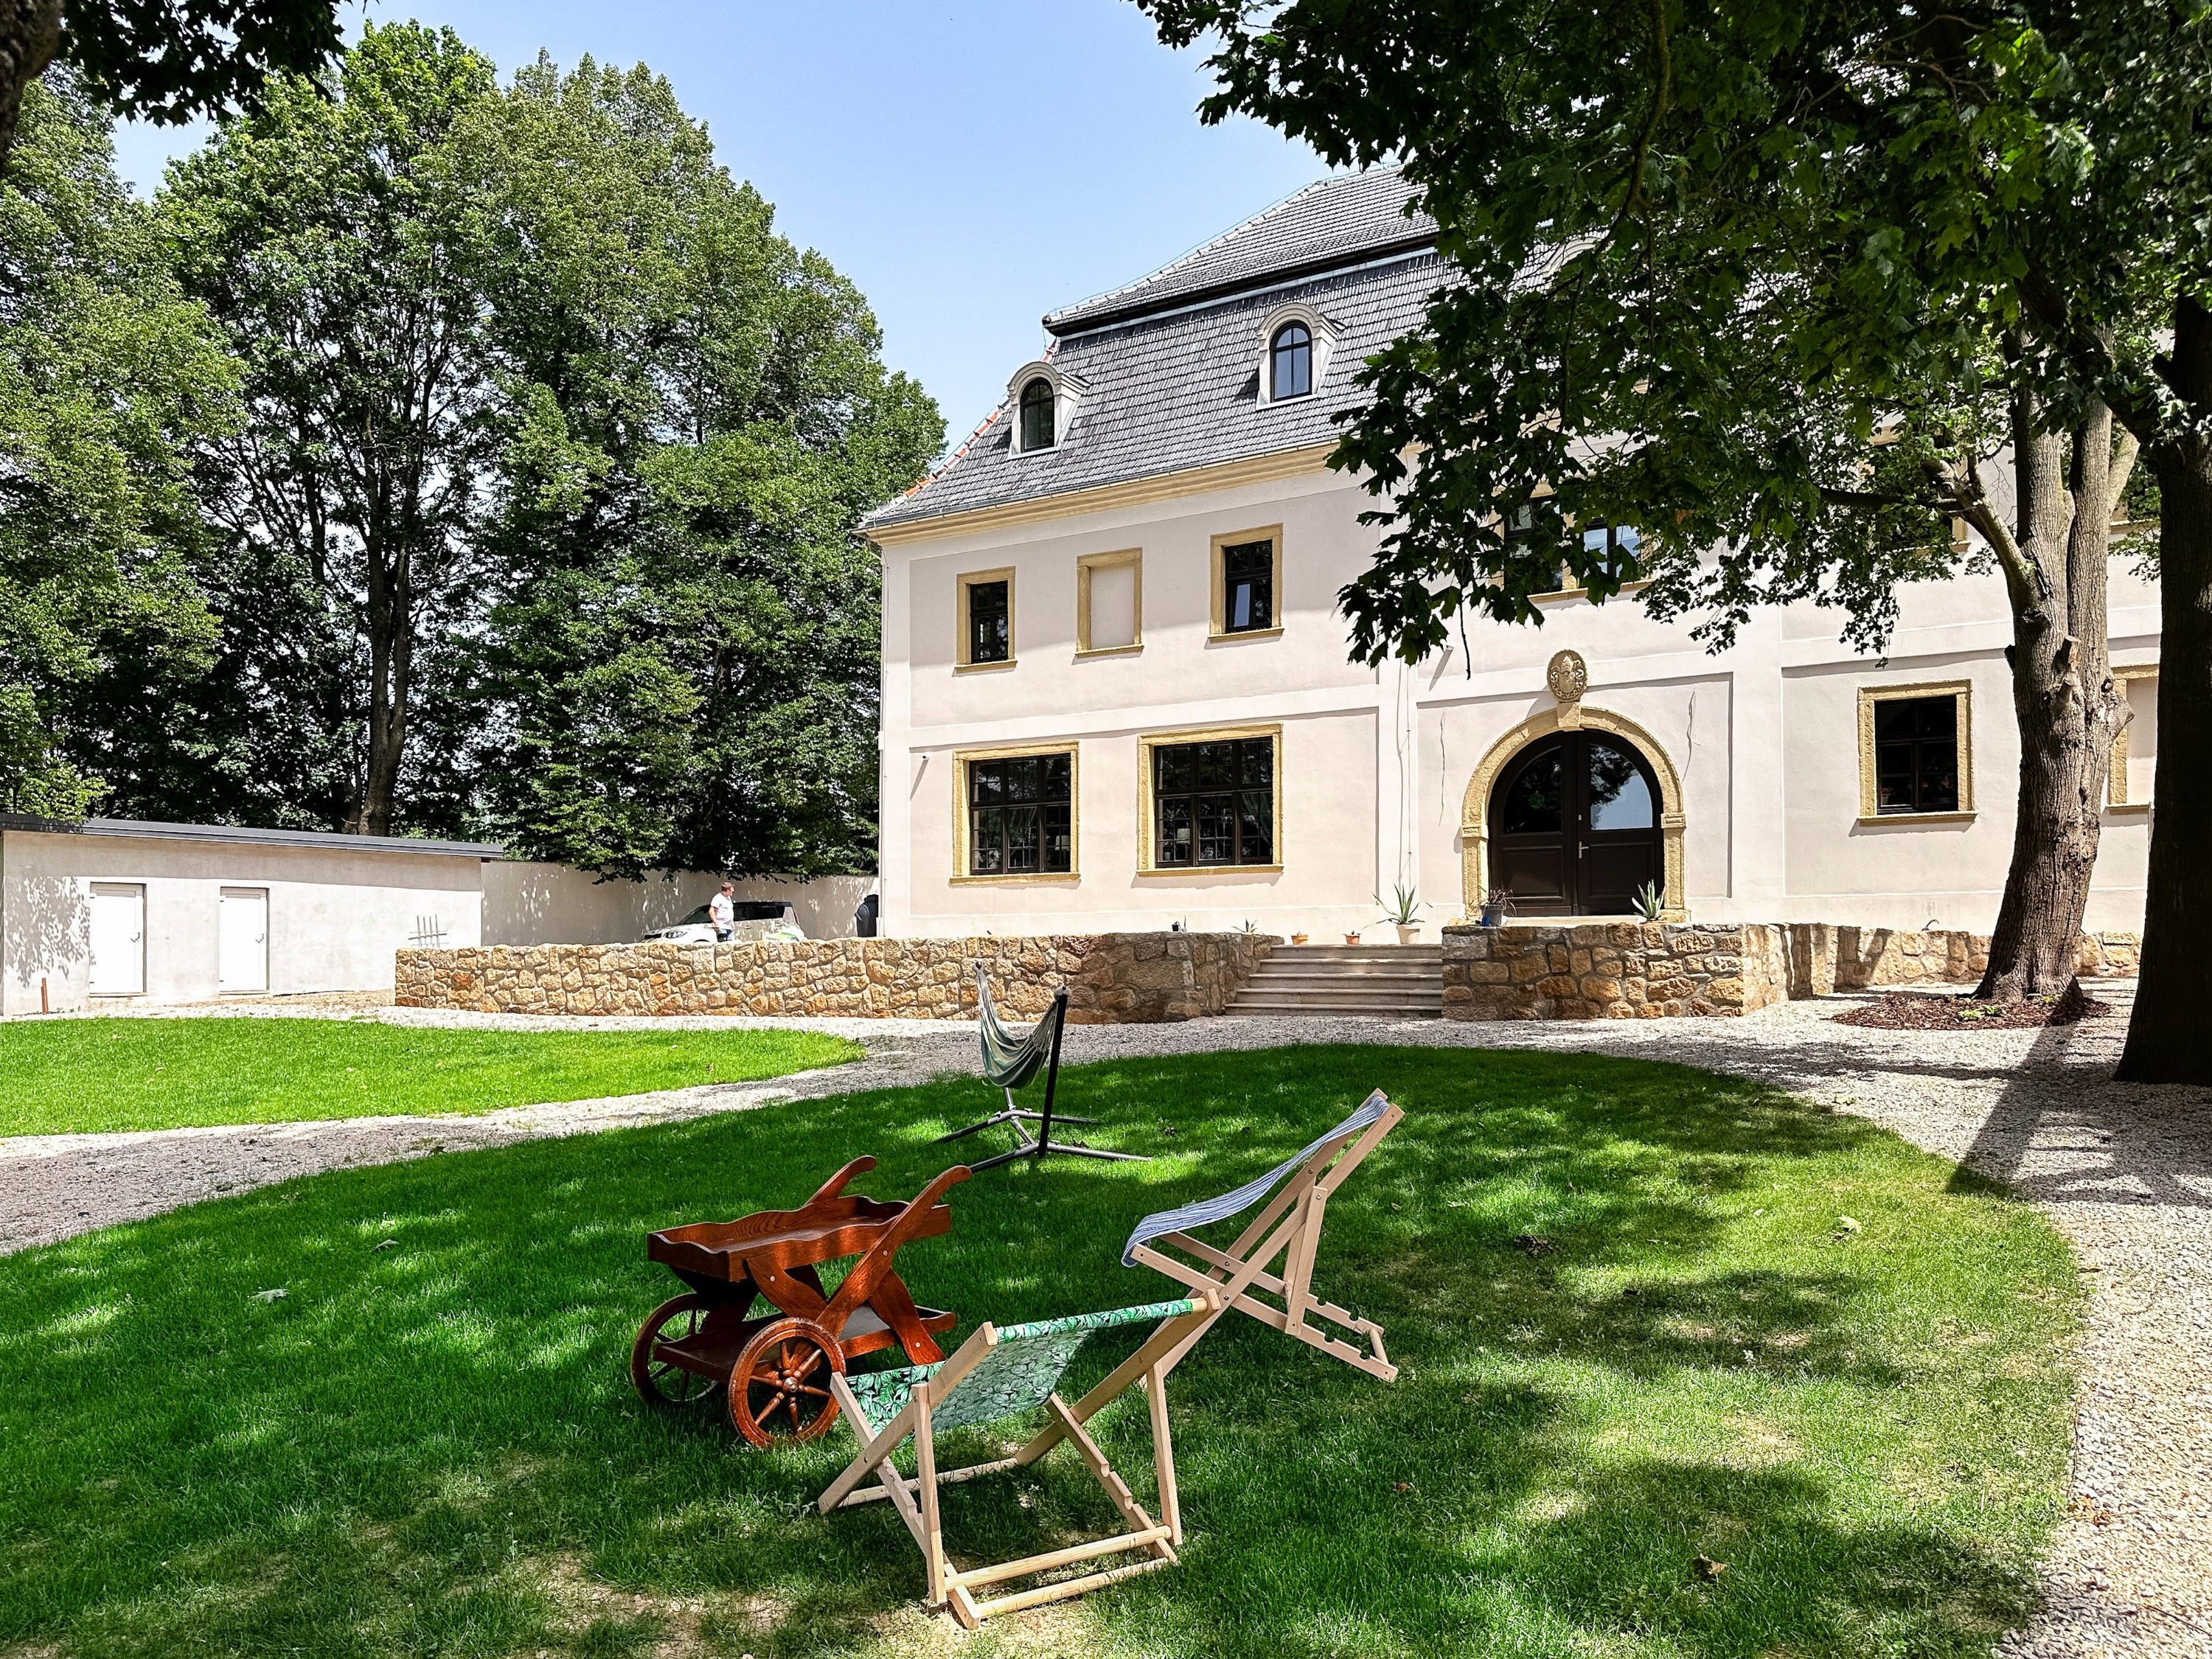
(1915, 754)
(1247, 586)
(1611, 548)
(1037, 415)
(1290, 362)
(990, 630)
(1213, 803)
(1535, 529)
(1020, 816)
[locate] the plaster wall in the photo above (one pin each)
(336, 917)
(527, 903)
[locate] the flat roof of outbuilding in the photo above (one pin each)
(237, 835)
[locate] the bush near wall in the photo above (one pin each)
(1111, 978)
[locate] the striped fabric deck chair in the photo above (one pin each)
(1288, 1228)
(1003, 1372)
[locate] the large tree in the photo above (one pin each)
(107, 374)
(681, 665)
(164, 60)
(1779, 283)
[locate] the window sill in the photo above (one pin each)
(1022, 877)
(1110, 651)
(1218, 870)
(1230, 637)
(982, 667)
(1583, 592)
(1877, 819)
(2127, 807)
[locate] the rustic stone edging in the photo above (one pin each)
(1111, 978)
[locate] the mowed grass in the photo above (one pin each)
(77, 1075)
(432, 1447)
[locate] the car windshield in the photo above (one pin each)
(698, 918)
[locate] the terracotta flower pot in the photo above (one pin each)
(1352, 938)
(1297, 938)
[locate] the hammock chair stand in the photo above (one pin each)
(1010, 1060)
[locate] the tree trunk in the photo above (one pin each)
(2065, 704)
(30, 35)
(2169, 1034)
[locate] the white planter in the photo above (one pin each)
(1409, 934)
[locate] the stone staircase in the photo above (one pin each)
(1386, 981)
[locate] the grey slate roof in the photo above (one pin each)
(151, 829)
(1174, 383)
(1334, 223)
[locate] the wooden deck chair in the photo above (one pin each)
(1288, 1229)
(1011, 1059)
(1003, 1372)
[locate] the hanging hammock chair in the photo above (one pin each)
(1010, 1060)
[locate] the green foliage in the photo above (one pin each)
(106, 373)
(430, 1445)
(94, 1076)
(1763, 281)
(169, 60)
(541, 523)
(682, 657)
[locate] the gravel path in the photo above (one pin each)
(2125, 1172)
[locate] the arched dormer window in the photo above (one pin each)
(1036, 415)
(1290, 362)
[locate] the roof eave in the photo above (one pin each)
(1082, 320)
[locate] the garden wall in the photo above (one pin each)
(1111, 978)
(1825, 958)
(1611, 970)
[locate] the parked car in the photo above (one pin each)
(756, 919)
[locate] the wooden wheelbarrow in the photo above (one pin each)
(775, 1367)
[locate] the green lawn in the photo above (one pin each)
(432, 1448)
(72, 1075)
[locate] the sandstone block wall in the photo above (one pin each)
(1825, 958)
(1112, 978)
(1611, 970)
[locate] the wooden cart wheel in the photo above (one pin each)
(779, 1387)
(660, 1382)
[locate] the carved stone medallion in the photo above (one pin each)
(1568, 676)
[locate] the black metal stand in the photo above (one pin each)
(1017, 1118)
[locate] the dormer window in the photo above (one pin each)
(1294, 345)
(1290, 362)
(1036, 415)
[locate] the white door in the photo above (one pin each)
(242, 940)
(119, 939)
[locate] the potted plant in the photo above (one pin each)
(1297, 938)
(1352, 936)
(1402, 912)
(1649, 903)
(1495, 904)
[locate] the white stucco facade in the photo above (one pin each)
(1761, 741)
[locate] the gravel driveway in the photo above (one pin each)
(2125, 1172)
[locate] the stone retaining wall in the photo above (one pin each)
(1611, 970)
(1112, 978)
(1826, 957)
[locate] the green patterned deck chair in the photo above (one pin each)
(1002, 1373)
(1011, 1059)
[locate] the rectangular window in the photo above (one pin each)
(1021, 815)
(1213, 803)
(1247, 580)
(2135, 751)
(1110, 602)
(1915, 752)
(986, 619)
(1533, 533)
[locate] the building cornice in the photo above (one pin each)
(1102, 498)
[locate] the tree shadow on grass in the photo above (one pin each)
(430, 1445)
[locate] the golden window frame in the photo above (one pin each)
(1217, 606)
(963, 849)
(1869, 801)
(2117, 797)
(1148, 826)
(1086, 564)
(963, 661)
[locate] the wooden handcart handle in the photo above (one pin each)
(836, 1184)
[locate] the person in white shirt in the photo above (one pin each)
(722, 911)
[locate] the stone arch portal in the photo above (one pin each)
(1474, 809)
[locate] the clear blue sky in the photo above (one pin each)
(971, 164)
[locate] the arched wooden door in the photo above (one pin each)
(1574, 827)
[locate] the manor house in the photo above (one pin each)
(1116, 692)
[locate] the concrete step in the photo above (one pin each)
(1375, 978)
(1357, 952)
(1279, 1009)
